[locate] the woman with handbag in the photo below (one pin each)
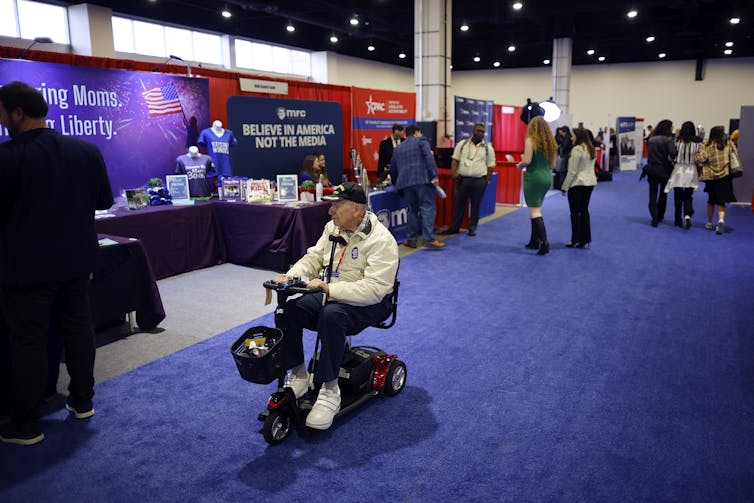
(684, 179)
(715, 157)
(661, 152)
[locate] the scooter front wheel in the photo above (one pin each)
(276, 427)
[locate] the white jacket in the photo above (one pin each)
(364, 270)
(580, 169)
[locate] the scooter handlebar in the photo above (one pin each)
(290, 287)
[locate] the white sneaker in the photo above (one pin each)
(324, 409)
(299, 385)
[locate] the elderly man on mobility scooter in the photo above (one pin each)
(355, 295)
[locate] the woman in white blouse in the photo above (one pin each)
(579, 183)
(684, 179)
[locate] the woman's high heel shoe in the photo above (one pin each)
(582, 245)
(544, 248)
(570, 245)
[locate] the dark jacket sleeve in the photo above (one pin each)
(103, 190)
(386, 152)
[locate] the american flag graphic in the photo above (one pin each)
(162, 100)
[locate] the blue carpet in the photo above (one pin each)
(618, 373)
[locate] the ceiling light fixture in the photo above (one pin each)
(661, 55)
(402, 55)
(496, 64)
(546, 62)
(464, 27)
(728, 52)
(518, 6)
(370, 48)
(511, 48)
(333, 39)
(650, 38)
(735, 20)
(477, 59)
(590, 51)
(601, 58)
(728, 44)
(290, 28)
(226, 13)
(354, 21)
(632, 14)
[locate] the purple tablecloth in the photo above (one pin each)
(177, 239)
(126, 283)
(269, 235)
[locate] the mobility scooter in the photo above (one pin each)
(365, 371)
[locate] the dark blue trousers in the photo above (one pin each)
(333, 322)
(27, 313)
(468, 188)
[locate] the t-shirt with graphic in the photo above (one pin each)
(196, 168)
(218, 147)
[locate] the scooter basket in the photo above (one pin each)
(263, 368)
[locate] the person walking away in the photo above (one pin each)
(684, 179)
(472, 164)
(661, 154)
(579, 183)
(540, 156)
(414, 174)
(714, 156)
(50, 186)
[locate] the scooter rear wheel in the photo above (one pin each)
(276, 427)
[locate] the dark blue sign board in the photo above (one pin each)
(469, 112)
(274, 135)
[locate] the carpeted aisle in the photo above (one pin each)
(618, 373)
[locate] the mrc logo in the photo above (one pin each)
(394, 218)
(283, 113)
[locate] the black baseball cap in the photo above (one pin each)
(348, 191)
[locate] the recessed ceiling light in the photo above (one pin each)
(496, 64)
(661, 55)
(464, 27)
(728, 44)
(511, 48)
(354, 21)
(728, 52)
(650, 38)
(601, 58)
(632, 14)
(477, 59)
(451, 67)
(546, 62)
(370, 48)
(334, 39)
(402, 55)
(590, 51)
(225, 13)
(290, 28)
(517, 6)
(735, 20)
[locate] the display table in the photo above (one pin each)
(177, 239)
(125, 284)
(269, 236)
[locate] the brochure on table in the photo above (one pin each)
(287, 187)
(178, 187)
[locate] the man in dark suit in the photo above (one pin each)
(386, 152)
(50, 186)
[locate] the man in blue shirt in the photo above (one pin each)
(414, 174)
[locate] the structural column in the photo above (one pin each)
(432, 59)
(562, 50)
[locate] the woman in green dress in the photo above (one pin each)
(540, 157)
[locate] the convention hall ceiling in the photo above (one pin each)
(682, 29)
